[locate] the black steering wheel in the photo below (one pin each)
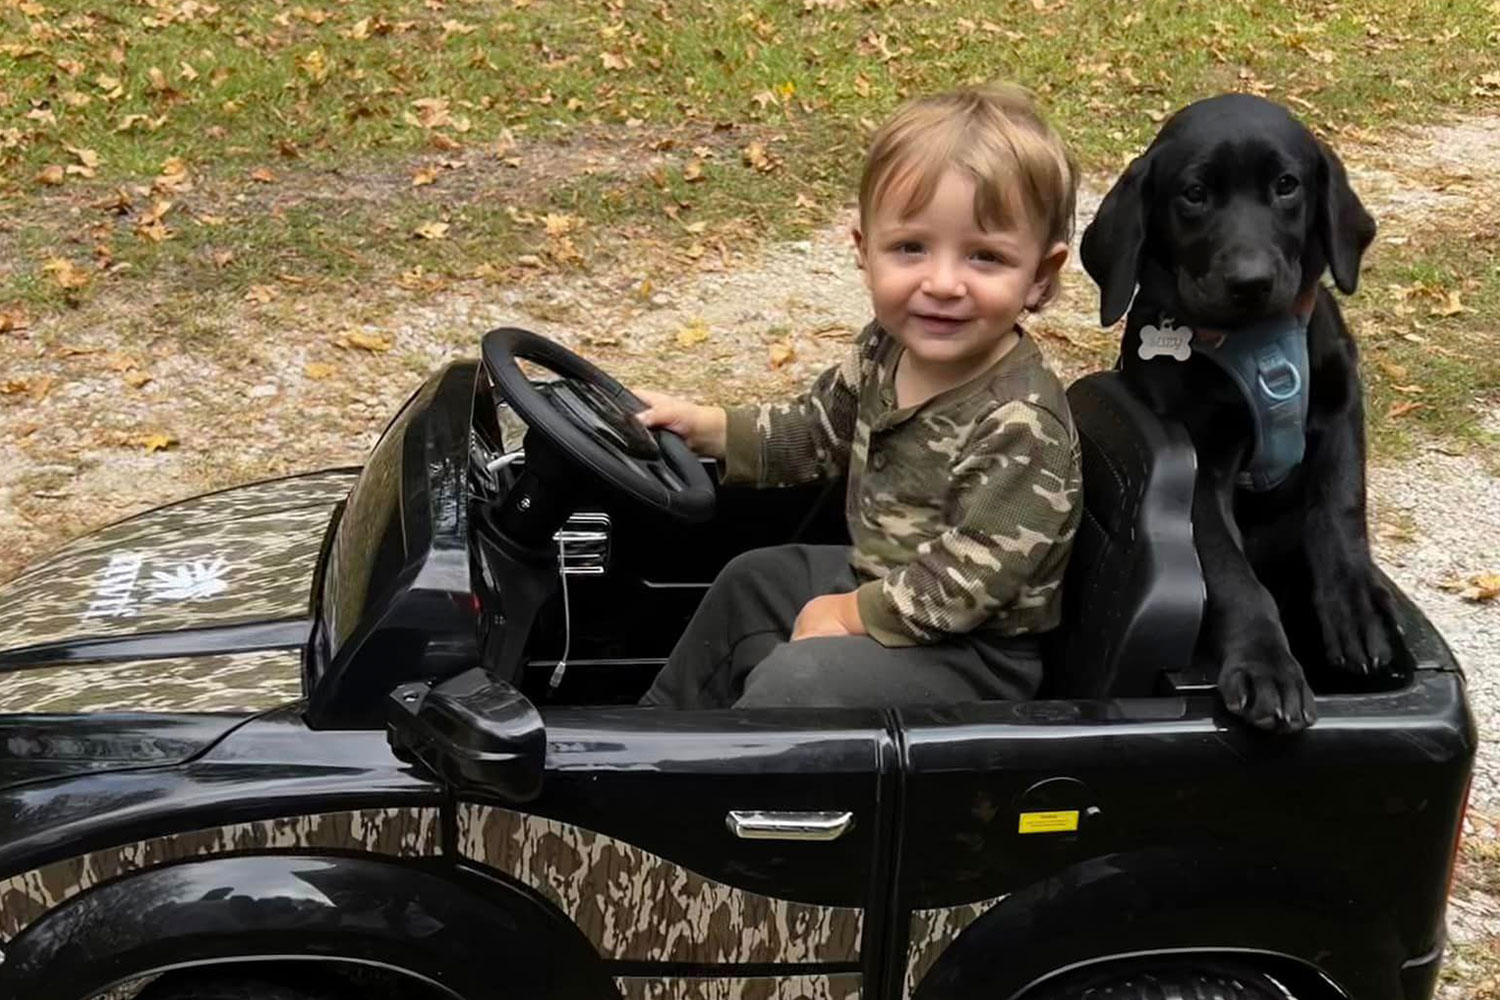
(590, 420)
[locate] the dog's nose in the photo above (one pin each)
(1249, 285)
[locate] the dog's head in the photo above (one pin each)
(1232, 212)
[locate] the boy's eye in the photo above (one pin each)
(908, 246)
(988, 257)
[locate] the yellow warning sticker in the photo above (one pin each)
(1049, 822)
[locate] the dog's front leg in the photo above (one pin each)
(1354, 609)
(1259, 677)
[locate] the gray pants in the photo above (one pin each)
(736, 652)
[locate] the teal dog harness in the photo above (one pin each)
(1268, 363)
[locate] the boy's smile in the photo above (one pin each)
(945, 287)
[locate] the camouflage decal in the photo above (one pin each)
(232, 682)
(961, 510)
(839, 987)
(403, 832)
(932, 931)
(246, 554)
(634, 905)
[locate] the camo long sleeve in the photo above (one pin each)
(961, 510)
(805, 438)
(1011, 516)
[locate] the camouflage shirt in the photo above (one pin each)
(962, 510)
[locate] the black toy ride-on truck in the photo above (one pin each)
(373, 733)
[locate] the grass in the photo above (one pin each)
(1426, 317)
(301, 146)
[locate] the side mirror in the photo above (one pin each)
(474, 731)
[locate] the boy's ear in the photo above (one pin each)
(858, 236)
(1044, 284)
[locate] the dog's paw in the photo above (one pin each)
(1269, 692)
(1358, 621)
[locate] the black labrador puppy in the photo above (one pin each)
(1224, 227)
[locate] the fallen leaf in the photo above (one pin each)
(262, 294)
(223, 258)
(12, 320)
(160, 441)
(315, 65)
(1451, 306)
(755, 155)
(320, 369)
(374, 342)
(136, 379)
(557, 225)
(781, 354)
(86, 157)
(693, 334)
(1478, 587)
(69, 276)
(51, 175)
(431, 231)
(692, 171)
(1402, 409)
(423, 176)
(262, 176)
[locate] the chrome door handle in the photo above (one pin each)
(752, 824)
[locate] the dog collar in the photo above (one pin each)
(1267, 361)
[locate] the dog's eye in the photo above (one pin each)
(1195, 194)
(1286, 184)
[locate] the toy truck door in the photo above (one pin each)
(698, 853)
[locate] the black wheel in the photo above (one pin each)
(227, 988)
(1184, 982)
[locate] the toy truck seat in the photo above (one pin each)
(1133, 595)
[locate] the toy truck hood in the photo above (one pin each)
(200, 606)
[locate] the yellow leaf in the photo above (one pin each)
(136, 379)
(692, 171)
(68, 275)
(314, 65)
(613, 61)
(223, 258)
(86, 157)
(51, 175)
(262, 294)
(423, 176)
(320, 369)
(158, 79)
(357, 339)
(1451, 306)
(160, 441)
(557, 225)
(431, 231)
(1482, 587)
(755, 155)
(782, 354)
(693, 334)
(261, 175)
(186, 72)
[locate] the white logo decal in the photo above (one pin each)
(191, 581)
(116, 583)
(114, 589)
(1171, 341)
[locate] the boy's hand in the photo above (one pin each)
(702, 427)
(828, 615)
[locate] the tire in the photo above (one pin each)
(226, 988)
(1184, 982)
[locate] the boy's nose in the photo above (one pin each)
(943, 280)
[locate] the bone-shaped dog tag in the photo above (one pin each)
(1168, 340)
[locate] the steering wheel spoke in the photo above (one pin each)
(589, 419)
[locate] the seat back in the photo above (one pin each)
(1133, 595)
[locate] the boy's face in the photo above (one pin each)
(946, 288)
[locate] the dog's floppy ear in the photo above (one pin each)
(1111, 247)
(1344, 226)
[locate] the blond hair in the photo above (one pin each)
(1022, 171)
